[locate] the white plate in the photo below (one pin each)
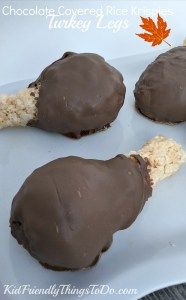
(151, 254)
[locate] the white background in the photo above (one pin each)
(27, 45)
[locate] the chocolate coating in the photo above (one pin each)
(79, 94)
(160, 92)
(67, 211)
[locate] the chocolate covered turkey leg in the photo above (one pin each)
(67, 211)
(160, 92)
(76, 95)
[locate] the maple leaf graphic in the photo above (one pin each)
(158, 33)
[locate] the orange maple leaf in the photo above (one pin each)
(158, 33)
